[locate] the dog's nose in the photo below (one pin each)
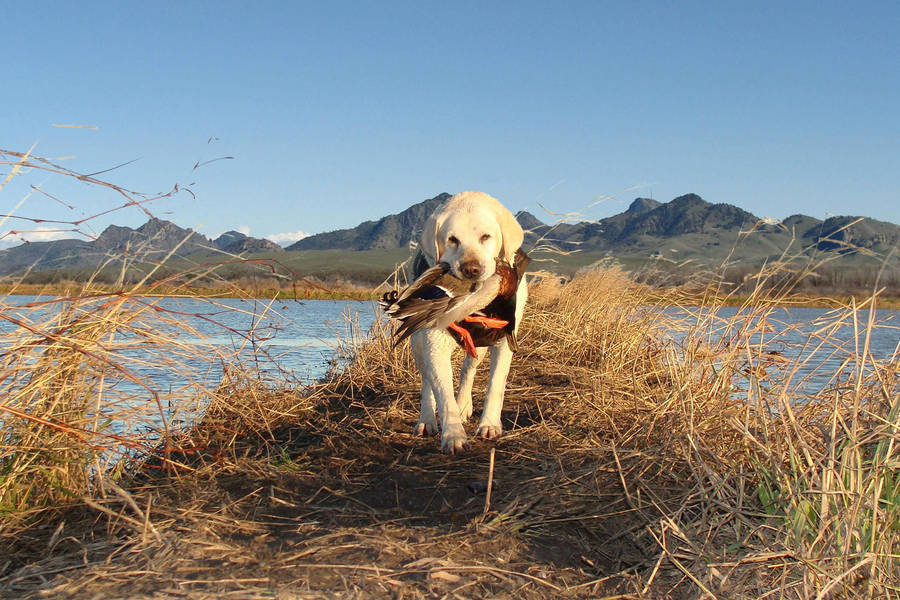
(470, 269)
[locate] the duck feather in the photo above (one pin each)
(437, 298)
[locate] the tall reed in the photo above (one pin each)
(787, 429)
(80, 393)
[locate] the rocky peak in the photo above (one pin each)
(228, 238)
(155, 234)
(688, 200)
(529, 221)
(252, 245)
(642, 205)
(847, 234)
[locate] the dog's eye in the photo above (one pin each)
(453, 240)
(485, 237)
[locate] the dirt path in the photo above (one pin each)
(346, 503)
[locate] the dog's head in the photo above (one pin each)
(469, 232)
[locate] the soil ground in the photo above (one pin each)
(347, 503)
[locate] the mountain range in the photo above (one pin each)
(687, 227)
(155, 239)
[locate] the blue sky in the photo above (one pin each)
(340, 112)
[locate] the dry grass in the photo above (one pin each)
(631, 467)
(78, 396)
(80, 362)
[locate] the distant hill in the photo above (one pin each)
(392, 231)
(153, 240)
(688, 227)
(156, 234)
(845, 233)
(235, 242)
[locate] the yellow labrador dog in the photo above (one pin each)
(468, 232)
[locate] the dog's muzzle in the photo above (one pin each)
(471, 269)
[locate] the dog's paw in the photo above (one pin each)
(454, 440)
(465, 410)
(423, 429)
(489, 431)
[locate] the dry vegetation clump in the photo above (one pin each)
(650, 452)
(79, 392)
(78, 397)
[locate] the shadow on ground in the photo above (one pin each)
(345, 502)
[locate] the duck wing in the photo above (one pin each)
(429, 298)
(421, 287)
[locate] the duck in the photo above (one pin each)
(498, 319)
(476, 313)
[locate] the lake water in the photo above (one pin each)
(285, 342)
(812, 348)
(285, 339)
(297, 342)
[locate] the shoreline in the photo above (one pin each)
(358, 293)
(76, 289)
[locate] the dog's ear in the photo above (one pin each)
(430, 243)
(512, 233)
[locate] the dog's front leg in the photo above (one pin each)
(437, 373)
(489, 427)
(427, 424)
(466, 378)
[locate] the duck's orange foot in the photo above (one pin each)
(489, 322)
(468, 343)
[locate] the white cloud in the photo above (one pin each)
(287, 238)
(39, 234)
